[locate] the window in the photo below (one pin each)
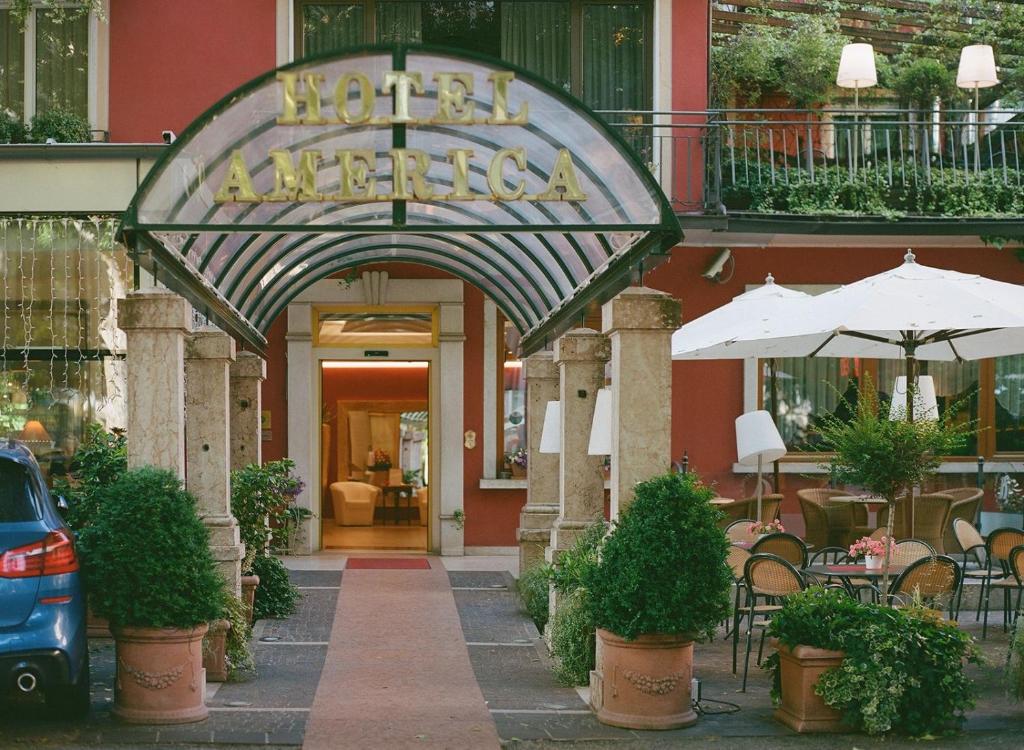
(809, 388)
(384, 327)
(599, 51)
(60, 360)
(511, 392)
(46, 65)
(1008, 395)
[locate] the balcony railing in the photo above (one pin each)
(882, 163)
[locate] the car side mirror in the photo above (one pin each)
(62, 503)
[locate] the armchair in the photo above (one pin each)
(354, 503)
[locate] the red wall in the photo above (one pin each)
(169, 61)
(375, 384)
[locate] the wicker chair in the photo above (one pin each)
(1008, 584)
(973, 550)
(965, 508)
(900, 527)
(909, 551)
(959, 494)
(739, 530)
(997, 548)
(815, 522)
(770, 578)
(819, 496)
(935, 579)
(787, 546)
(823, 496)
(931, 514)
(736, 560)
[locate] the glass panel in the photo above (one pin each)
(614, 56)
(399, 22)
(61, 366)
(12, 65)
(955, 384)
(470, 25)
(1009, 392)
(62, 63)
(17, 502)
(327, 27)
(808, 389)
(535, 35)
(383, 329)
(513, 396)
(415, 449)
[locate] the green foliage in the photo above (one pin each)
(239, 654)
(61, 125)
(573, 642)
(867, 191)
(276, 596)
(903, 668)
(99, 461)
(921, 80)
(887, 457)
(532, 587)
(12, 129)
(662, 569)
(260, 498)
(579, 561)
(146, 556)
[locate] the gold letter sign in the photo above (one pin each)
(299, 172)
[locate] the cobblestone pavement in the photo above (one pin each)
(531, 710)
(270, 710)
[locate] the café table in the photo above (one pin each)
(721, 501)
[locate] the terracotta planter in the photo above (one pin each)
(249, 584)
(801, 708)
(160, 675)
(643, 684)
(518, 472)
(215, 657)
(96, 626)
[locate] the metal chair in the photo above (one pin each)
(787, 546)
(933, 579)
(736, 560)
(1011, 583)
(771, 578)
(966, 509)
(997, 549)
(908, 551)
(739, 531)
(973, 550)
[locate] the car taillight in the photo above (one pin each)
(51, 555)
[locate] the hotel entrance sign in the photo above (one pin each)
(400, 154)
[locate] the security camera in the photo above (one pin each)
(714, 270)
(168, 136)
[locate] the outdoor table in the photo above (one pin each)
(858, 499)
(747, 545)
(852, 571)
(721, 501)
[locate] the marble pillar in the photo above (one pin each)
(155, 322)
(639, 323)
(209, 353)
(248, 372)
(541, 509)
(581, 355)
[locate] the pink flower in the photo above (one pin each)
(772, 527)
(867, 546)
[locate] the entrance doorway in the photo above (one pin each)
(375, 455)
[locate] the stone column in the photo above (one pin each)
(155, 323)
(209, 353)
(248, 372)
(639, 323)
(581, 355)
(450, 350)
(541, 509)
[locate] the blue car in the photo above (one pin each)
(42, 603)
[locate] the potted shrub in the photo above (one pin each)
(661, 582)
(150, 573)
(58, 125)
(842, 664)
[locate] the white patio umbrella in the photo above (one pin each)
(714, 335)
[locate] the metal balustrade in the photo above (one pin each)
(884, 162)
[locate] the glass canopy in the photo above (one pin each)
(402, 153)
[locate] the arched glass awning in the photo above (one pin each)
(399, 153)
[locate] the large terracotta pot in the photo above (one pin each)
(643, 684)
(215, 646)
(160, 675)
(249, 584)
(801, 709)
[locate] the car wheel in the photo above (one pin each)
(71, 701)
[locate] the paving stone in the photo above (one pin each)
(311, 622)
(287, 677)
(519, 677)
(480, 578)
(493, 616)
(315, 577)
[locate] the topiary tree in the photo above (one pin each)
(99, 461)
(662, 568)
(146, 556)
(922, 80)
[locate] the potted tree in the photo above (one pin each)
(661, 583)
(887, 457)
(150, 573)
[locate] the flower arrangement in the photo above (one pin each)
(868, 547)
(516, 458)
(1009, 494)
(381, 459)
(758, 528)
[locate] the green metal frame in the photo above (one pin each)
(603, 279)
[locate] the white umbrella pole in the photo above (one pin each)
(773, 380)
(759, 462)
(911, 387)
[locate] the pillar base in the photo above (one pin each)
(227, 550)
(565, 533)
(534, 534)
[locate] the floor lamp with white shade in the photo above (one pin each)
(757, 441)
(551, 433)
(977, 70)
